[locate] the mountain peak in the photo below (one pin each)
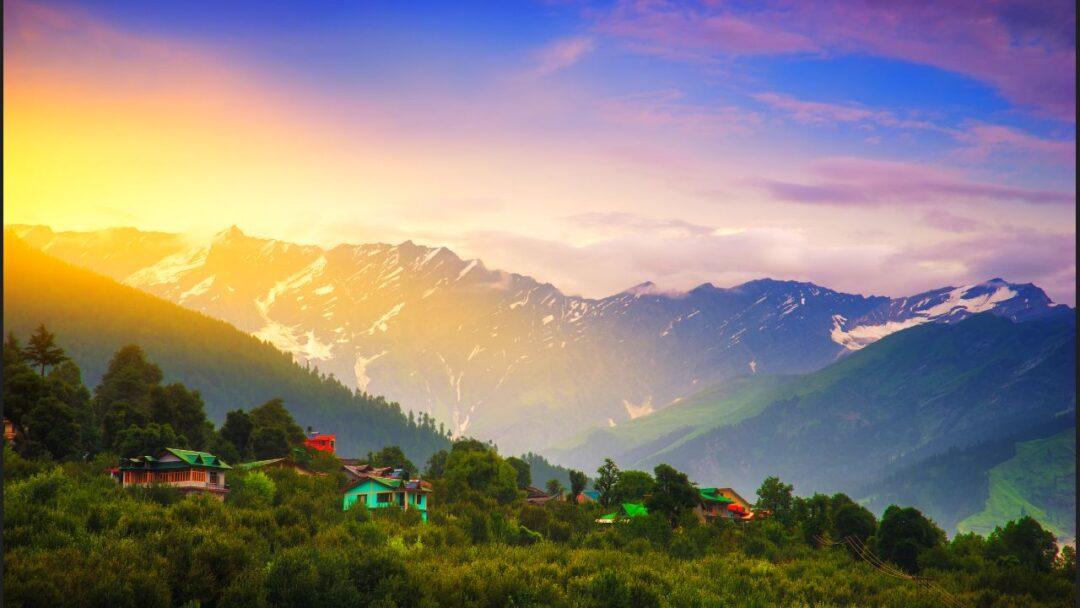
(232, 232)
(642, 289)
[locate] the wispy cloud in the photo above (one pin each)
(981, 141)
(817, 112)
(667, 108)
(871, 183)
(1025, 50)
(681, 261)
(559, 55)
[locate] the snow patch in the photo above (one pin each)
(468, 268)
(862, 335)
(637, 411)
(360, 370)
(325, 289)
(169, 269)
(380, 323)
(198, 289)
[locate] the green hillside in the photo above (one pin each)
(94, 316)
(712, 408)
(916, 418)
(1040, 481)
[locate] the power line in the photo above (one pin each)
(860, 549)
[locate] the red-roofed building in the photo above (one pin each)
(323, 442)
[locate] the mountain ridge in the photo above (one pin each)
(500, 354)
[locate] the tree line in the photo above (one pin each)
(131, 412)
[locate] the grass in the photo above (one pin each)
(1041, 469)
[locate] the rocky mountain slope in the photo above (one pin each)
(94, 316)
(499, 355)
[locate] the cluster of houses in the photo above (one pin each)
(192, 471)
(713, 503)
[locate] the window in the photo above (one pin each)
(382, 497)
(213, 478)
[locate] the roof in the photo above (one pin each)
(732, 494)
(188, 458)
(713, 495)
(413, 485)
(629, 510)
(255, 464)
(199, 459)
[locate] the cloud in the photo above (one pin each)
(979, 141)
(560, 54)
(1018, 48)
(984, 140)
(623, 223)
(677, 261)
(817, 112)
(681, 31)
(871, 183)
(664, 108)
(949, 222)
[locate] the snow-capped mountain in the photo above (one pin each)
(499, 355)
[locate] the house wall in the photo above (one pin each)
(368, 493)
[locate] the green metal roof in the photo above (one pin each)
(188, 458)
(245, 466)
(634, 510)
(712, 495)
(198, 459)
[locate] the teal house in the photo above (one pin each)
(381, 492)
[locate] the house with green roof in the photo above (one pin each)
(189, 471)
(625, 512)
(721, 502)
(383, 492)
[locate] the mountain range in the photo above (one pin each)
(93, 317)
(500, 355)
(919, 417)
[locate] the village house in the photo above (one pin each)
(373, 488)
(186, 470)
(536, 496)
(722, 502)
(587, 496)
(322, 442)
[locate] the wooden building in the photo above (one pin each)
(186, 470)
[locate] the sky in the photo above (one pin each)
(877, 148)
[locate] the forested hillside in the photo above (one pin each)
(927, 410)
(94, 316)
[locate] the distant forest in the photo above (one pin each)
(94, 317)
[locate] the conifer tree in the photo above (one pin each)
(42, 350)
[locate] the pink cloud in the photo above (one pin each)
(949, 222)
(630, 251)
(817, 112)
(560, 54)
(664, 109)
(983, 140)
(1025, 50)
(870, 183)
(681, 30)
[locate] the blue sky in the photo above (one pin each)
(868, 147)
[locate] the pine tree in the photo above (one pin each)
(42, 350)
